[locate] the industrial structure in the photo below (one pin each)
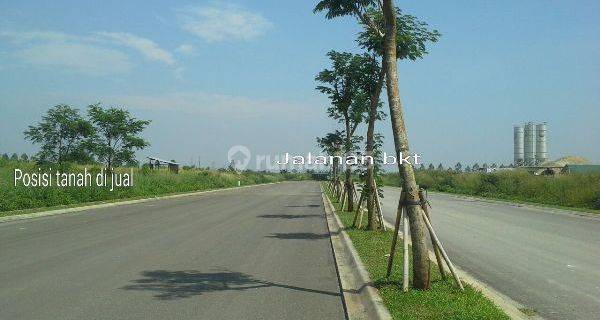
(530, 144)
(541, 152)
(519, 148)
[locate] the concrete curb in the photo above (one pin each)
(508, 305)
(361, 298)
(117, 203)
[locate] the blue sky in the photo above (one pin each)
(212, 74)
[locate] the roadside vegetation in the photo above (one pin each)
(146, 183)
(570, 190)
(443, 300)
(103, 139)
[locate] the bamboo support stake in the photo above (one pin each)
(378, 207)
(360, 219)
(436, 249)
(359, 211)
(439, 245)
(362, 198)
(405, 236)
(395, 237)
(354, 193)
(344, 196)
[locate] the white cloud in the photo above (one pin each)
(213, 105)
(223, 22)
(82, 58)
(29, 36)
(146, 47)
(101, 53)
(186, 49)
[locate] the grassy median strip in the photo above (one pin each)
(443, 301)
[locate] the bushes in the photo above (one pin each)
(147, 183)
(573, 190)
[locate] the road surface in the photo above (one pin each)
(548, 261)
(255, 253)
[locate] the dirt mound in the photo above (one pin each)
(561, 162)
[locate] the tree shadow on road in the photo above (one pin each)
(173, 285)
(299, 236)
(304, 206)
(290, 216)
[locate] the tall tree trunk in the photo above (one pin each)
(409, 184)
(349, 187)
(373, 223)
(336, 170)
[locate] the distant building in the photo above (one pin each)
(156, 163)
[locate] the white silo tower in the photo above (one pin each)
(519, 150)
(529, 144)
(541, 151)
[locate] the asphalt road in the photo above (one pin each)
(548, 261)
(255, 253)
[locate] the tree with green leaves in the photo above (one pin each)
(388, 37)
(116, 135)
(5, 156)
(14, 157)
(440, 167)
(62, 134)
(458, 167)
(370, 81)
(341, 85)
(332, 144)
(431, 167)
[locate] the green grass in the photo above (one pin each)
(147, 183)
(443, 300)
(572, 191)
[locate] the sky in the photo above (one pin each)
(215, 74)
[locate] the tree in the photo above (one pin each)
(340, 84)
(422, 167)
(458, 167)
(5, 156)
(476, 167)
(24, 157)
(332, 144)
(389, 39)
(468, 169)
(440, 167)
(61, 133)
(14, 157)
(431, 167)
(371, 77)
(115, 138)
